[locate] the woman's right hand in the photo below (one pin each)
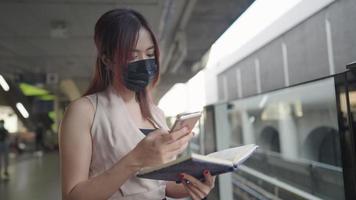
(160, 146)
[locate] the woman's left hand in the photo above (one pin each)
(198, 190)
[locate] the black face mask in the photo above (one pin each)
(139, 74)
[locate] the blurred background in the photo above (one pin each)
(277, 73)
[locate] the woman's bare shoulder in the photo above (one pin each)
(81, 104)
(80, 110)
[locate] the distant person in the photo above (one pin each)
(4, 150)
(115, 129)
(39, 138)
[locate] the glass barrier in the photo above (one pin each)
(297, 131)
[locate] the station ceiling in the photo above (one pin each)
(50, 42)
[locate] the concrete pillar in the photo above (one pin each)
(287, 132)
(222, 130)
(247, 129)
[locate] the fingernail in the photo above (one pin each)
(206, 172)
(181, 176)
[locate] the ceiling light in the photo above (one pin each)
(4, 84)
(22, 110)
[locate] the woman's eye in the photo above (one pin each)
(151, 55)
(133, 57)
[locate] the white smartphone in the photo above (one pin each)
(186, 119)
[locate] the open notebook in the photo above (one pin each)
(194, 164)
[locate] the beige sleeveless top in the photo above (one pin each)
(114, 134)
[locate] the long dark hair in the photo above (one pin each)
(116, 34)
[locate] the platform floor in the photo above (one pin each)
(32, 177)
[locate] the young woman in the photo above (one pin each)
(114, 130)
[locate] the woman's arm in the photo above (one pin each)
(75, 155)
(175, 190)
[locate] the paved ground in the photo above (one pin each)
(32, 177)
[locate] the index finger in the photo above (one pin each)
(209, 179)
(171, 137)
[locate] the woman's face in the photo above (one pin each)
(144, 48)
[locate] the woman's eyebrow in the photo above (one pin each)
(149, 48)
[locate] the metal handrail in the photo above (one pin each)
(278, 183)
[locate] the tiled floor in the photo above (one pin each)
(32, 177)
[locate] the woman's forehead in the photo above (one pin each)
(144, 41)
